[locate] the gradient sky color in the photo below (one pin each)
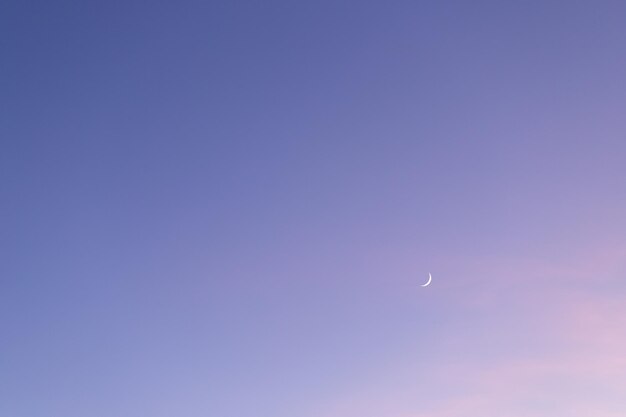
(226, 209)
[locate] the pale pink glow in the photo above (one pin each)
(566, 308)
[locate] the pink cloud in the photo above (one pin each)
(572, 315)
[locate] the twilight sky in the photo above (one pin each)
(226, 209)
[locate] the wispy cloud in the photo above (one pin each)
(541, 339)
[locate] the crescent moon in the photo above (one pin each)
(430, 278)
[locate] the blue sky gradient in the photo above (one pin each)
(227, 208)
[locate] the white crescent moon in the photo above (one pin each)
(430, 278)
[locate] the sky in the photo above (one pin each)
(227, 208)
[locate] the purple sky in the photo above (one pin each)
(226, 209)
